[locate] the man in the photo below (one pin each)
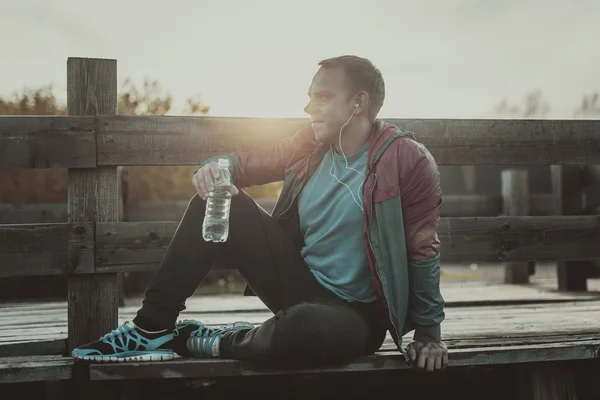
(350, 252)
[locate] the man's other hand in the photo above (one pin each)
(430, 356)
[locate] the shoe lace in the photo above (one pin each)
(204, 332)
(121, 330)
(176, 331)
(208, 337)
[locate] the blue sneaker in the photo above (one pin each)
(205, 342)
(129, 343)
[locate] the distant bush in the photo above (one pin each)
(147, 183)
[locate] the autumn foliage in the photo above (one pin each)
(147, 183)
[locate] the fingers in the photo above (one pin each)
(412, 353)
(196, 179)
(209, 182)
(438, 363)
(204, 180)
(430, 363)
(214, 169)
(429, 357)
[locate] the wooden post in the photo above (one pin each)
(568, 183)
(94, 196)
(515, 202)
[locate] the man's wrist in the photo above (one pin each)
(429, 333)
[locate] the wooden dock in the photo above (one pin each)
(486, 323)
(546, 339)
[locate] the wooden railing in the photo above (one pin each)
(454, 205)
(92, 142)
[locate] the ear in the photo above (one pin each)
(362, 99)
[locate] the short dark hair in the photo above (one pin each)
(363, 75)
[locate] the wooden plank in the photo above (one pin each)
(47, 142)
(479, 205)
(51, 368)
(508, 142)
(33, 213)
(34, 348)
(166, 210)
(169, 140)
(46, 249)
(128, 246)
(452, 206)
(93, 196)
(542, 238)
(479, 326)
(470, 205)
(35, 368)
(172, 210)
(203, 368)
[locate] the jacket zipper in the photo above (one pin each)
(369, 224)
(375, 256)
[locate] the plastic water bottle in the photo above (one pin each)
(216, 218)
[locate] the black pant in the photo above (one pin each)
(311, 324)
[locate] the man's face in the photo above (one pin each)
(330, 103)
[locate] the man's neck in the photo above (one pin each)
(353, 138)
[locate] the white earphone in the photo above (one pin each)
(356, 105)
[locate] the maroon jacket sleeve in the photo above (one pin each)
(268, 164)
(421, 203)
(421, 196)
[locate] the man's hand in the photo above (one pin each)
(203, 180)
(431, 356)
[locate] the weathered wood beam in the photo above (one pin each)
(35, 369)
(129, 246)
(170, 140)
(46, 249)
(52, 368)
(392, 360)
(467, 205)
(30, 142)
(47, 142)
(94, 196)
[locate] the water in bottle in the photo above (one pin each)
(216, 218)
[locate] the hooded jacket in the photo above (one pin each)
(401, 201)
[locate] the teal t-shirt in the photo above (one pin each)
(332, 225)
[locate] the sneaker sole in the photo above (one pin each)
(143, 357)
(193, 343)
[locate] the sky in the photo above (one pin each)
(439, 58)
